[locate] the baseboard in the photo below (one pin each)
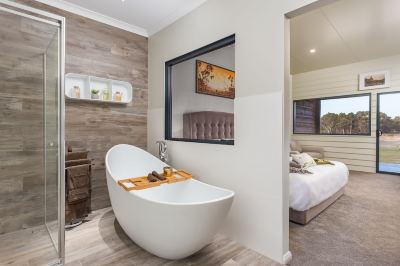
(287, 258)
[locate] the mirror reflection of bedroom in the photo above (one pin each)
(345, 136)
(201, 92)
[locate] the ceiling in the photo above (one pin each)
(144, 17)
(345, 32)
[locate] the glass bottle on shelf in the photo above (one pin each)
(106, 94)
(118, 96)
(77, 92)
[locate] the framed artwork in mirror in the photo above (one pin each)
(215, 80)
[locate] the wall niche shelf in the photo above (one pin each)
(87, 83)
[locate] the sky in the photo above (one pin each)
(390, 104)
(345, 105)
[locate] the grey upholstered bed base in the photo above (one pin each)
(208, 125)
(303, 217)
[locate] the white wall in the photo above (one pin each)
(256, 166)
(358, 152)
(184, 96)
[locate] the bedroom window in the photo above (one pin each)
(343, 115)
(200, 92)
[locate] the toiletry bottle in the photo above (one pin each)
(106, 94)
(77, 92)
(118, 96)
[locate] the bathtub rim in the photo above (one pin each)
(230, 193)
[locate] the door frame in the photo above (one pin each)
(378, 121)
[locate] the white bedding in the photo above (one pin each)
(309, 190)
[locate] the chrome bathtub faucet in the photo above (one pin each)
(162, 150)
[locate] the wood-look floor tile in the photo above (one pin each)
(106, 244)
(101, 241)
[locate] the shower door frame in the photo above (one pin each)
(19, 9)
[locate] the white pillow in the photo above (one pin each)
(304, 160)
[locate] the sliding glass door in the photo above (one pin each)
(388, 134)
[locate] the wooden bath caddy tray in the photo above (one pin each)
(138, 183)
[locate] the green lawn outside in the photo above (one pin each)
(389, 155)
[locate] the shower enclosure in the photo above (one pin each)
(32, 139)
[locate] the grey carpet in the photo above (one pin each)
(361, 228)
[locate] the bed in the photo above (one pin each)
(208, 125)
(310, 194)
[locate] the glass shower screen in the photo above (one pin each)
(32, 139)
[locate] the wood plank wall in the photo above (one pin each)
(22, 44)
(358, 152)
(97, 49)
(92, 48)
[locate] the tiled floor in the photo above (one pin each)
(101, 241)
(27, 247)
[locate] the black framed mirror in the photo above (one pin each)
(200, 93)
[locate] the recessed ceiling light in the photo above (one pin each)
(312, 51)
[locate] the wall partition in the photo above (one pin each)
(31, 126)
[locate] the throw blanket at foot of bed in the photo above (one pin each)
(326, 183)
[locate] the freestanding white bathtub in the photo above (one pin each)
(171, 221)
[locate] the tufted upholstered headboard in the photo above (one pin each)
(208, 125)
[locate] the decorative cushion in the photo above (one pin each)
(294, 164)
(304, 160)
(295, 146)
(323, 162)
(315, 154)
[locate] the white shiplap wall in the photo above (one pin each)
(358, 152)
